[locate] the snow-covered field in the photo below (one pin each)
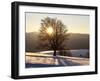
(74, 53)
(48, 60)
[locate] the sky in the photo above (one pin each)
(75, 23)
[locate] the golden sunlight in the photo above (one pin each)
(49, 30)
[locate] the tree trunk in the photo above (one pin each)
(54, 54)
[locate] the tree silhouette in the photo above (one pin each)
(53, 33)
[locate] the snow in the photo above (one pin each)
(47, 60)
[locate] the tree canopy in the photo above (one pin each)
(53, 33)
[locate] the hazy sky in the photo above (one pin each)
(74, 23)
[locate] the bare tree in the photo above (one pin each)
(53, 33)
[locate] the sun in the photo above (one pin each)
(49, 30)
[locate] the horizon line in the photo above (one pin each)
(68, 32)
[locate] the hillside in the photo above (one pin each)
(75, 41)
(78, 41)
